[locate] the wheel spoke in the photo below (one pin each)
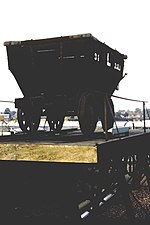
(28, 121)
(55, 124)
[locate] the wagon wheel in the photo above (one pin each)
(87, 114)
(55, 124)
(110, 114)
(28, 121)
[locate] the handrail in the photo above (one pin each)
(135, 101)
(7, 101)
(128, 99)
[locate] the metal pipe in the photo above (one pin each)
(105, 116)
(144, 117)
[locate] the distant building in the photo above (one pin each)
(4, 117)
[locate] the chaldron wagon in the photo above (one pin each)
(65, 76)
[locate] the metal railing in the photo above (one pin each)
(107, 102)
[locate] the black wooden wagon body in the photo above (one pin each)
(64, 76)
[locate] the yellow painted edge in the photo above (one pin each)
(45, 152)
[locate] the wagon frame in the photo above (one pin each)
(65, 76)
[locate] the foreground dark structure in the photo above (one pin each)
(76, 192)
(65, 76)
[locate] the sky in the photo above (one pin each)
(123, 25)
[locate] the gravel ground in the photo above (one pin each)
(140, 203)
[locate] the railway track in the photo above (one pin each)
(66, 136)
(70, 136)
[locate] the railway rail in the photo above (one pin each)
(64, 137)
(68, 135)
